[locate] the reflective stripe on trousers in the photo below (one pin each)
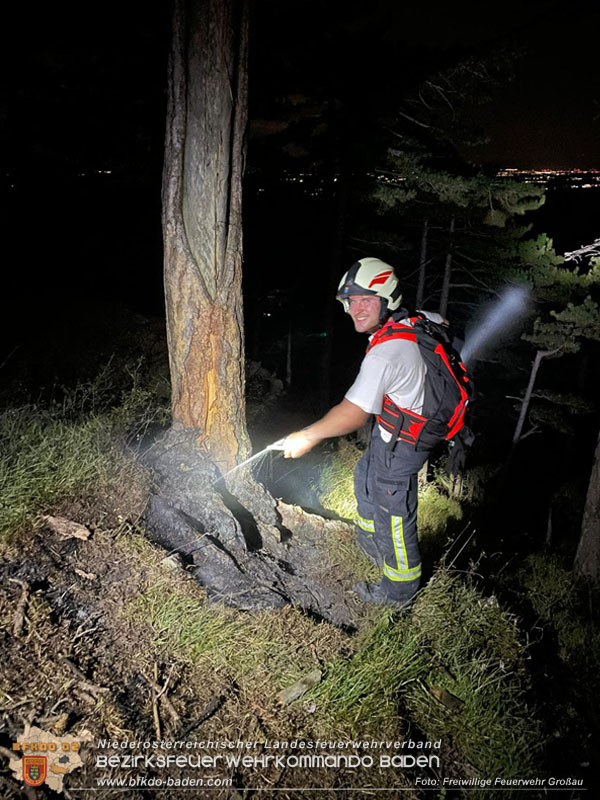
(366, 524)
(402, 571)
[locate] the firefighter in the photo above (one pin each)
(392, 376)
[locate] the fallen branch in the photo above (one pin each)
(296, 690)
(93, 688)
(66, 527)
(83, 633)
(20, 611)
(155, 713)
(87, 698)
(447, 699)
(160, 695)
(24, 702)
(213, 706)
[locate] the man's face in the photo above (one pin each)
(364, 310)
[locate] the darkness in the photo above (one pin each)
(82, 107)
(82, 110)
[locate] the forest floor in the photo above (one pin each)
(104, 635)
(110, 646)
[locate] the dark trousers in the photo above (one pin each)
(385, 485)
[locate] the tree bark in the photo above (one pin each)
(202, 223)
(587, 558)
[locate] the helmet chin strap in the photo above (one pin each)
(383, 311)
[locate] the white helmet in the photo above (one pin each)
(371, 276)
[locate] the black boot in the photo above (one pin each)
(378, 594)
(366, 542)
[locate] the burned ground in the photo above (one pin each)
(110, 622)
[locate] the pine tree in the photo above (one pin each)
(556, 333)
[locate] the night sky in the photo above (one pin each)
(82, 121)
(549, 116)
(79, 82)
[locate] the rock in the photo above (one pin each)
(174, 563)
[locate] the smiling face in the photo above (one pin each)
(364, 310)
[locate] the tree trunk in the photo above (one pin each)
(288, 357)
(422, 265)
(334, 273)
(202, 225)
(234, 537)
(528, 393)
(587, 558)
(447, 271)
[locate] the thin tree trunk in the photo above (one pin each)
(529, 391)
(587, 558)
(335, 272)
(447, 271)
(549, 527)
(422, 265)
(202, 192)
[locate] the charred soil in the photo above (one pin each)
(113, 635)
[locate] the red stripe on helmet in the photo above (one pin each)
(380, 278)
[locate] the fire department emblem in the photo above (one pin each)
(46, 758)
(35, 769)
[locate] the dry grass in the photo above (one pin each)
(455, 641)
(69, 448)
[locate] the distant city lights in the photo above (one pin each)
(315, 184)
(570, 178)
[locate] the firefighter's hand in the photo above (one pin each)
(298, 444)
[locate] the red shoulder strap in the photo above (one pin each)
(392, 330)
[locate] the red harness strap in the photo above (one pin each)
(400, 422)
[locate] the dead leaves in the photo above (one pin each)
(67, 528)
(447, 699)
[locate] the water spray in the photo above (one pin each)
(278, 446)
(496, 319)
